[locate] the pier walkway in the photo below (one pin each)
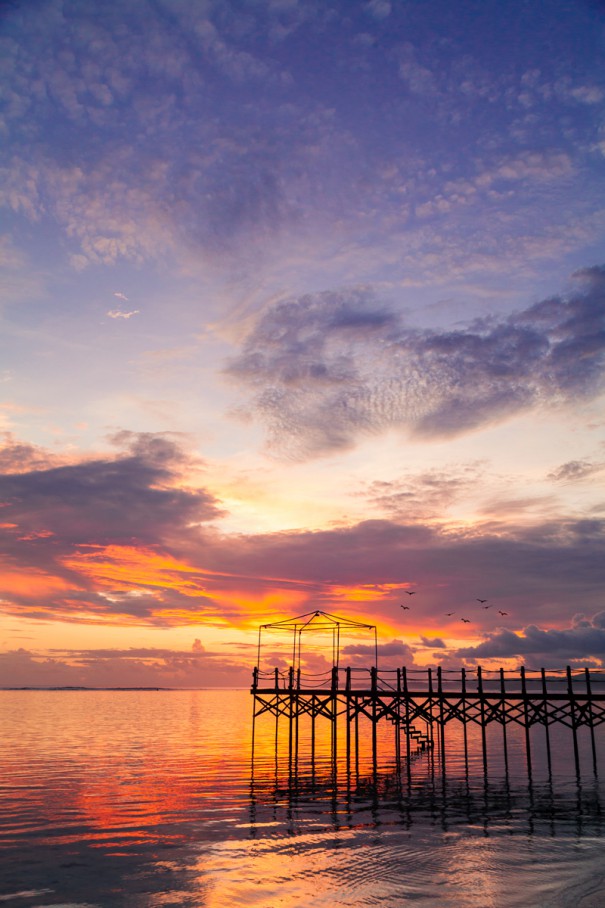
(420, 703)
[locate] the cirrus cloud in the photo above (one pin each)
(330, 368)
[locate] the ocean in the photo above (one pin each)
(151, 798)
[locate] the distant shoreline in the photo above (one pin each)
(68, 688)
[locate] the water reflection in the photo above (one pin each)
(495, 805)
(148, 799)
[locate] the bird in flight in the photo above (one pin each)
(502, 613)
(449, 614)
(410, 592)
(466, 620)
(406, 608)
(482, 601)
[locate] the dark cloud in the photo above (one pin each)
(382, 551)
(58, 523)
(575, 470)
(435, 642)
(542, 571)
(394, 653)
(328, 368)
(127, 499)
(584, 639)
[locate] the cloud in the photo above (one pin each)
(419, 79)
(575, 470)
(433, 642)
(18, 457)
(536, 571)
(380, 9)
(120, 296)
(584, 639)
(327, 369)
(100, 538)
(134, 667)
(426, 494)
(394, 653)
(394, 648)
(527, 166)
(116, 313)
(126, 539)
(177, 129)
(118, 500)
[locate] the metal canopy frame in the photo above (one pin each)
(315, 621)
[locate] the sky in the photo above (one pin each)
(303, 308)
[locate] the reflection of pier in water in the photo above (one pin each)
(419, 704)
(498, 805)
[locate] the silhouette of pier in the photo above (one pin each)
(420, 704)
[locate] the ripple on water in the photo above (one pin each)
(143, 799)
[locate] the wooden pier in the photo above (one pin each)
(421, 703)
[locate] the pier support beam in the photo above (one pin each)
(420, 707)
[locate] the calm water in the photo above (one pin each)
(146, 798)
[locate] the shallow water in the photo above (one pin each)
(150, 798)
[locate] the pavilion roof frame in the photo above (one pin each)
(307, 622)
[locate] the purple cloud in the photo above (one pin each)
(585, 639)
(134, 667)
(435, 642)
(124, 499)
(329, 368)
(119, 538)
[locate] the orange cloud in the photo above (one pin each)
(367, 592)
(255, 608)
(32, 582)
(141, 571)
(135, 567)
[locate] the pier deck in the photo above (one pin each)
(421, 702)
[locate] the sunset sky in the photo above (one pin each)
(302, 307)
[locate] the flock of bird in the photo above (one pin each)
(406, 608)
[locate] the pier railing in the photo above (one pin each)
(551, 683)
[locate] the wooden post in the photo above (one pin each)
(374, 685)
(482, 709)
(313, 712)
(276, 713)
(441, 719)
(591, 719)
(464, 720)
(334, 713)
(296, 714)
(398, 725)
(504, 711)
(430, 677)
(526, 722)
(546, 717)
(348, 718)
(357, 737)
(290, 713)
(407, 722)
(574, 726)
(254, 689)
